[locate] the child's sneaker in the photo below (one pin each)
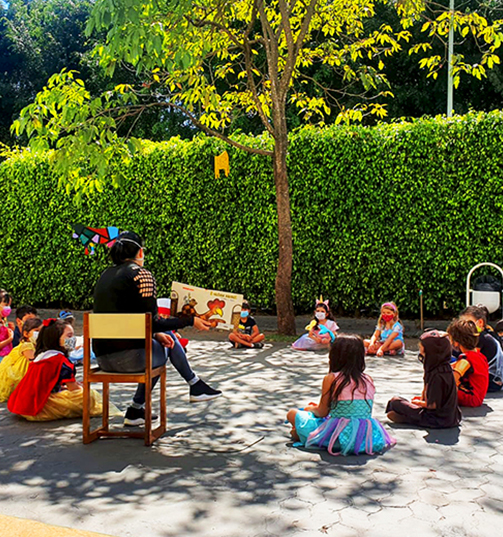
(258, 345)
(135, 417)
(200, 391)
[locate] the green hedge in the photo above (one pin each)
(378, 213)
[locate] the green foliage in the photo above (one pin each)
(37, 39)
(378, 213)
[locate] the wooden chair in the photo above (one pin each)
(121, 326)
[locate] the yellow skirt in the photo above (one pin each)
(12, 369)
(69, 404)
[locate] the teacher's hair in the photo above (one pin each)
(125, 247)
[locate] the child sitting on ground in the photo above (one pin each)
(438, 405)
(49, 391)
(14, 366)
(246, 332)
(471, 370)
(487, 344)
(23, 313)
(6, 333)
(322, 330)
(342, 422)
(388, 335)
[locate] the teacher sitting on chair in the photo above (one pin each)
(128, 287)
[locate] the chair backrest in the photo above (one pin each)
(118, 325)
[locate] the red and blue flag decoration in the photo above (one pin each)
(91, 237)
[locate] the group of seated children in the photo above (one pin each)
(322, 331)
(460, 366)
(36, 376)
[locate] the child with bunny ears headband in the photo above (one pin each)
(321, 330)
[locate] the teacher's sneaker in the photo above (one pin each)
(135, 417)
(200, 391)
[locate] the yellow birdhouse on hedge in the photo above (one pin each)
(222, 163)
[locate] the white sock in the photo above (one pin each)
(194, 380)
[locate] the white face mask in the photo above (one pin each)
(70, 343)
(320, 315)
(34, 336)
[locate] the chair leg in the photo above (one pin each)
(86, 422)
(148, 413)
(163, 401)
(106, 397)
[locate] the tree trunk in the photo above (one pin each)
(284, 303)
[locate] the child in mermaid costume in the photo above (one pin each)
(342, 422)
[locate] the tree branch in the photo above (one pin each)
(272, 53)
(249, 71)
(285, 22)
(201, 23)
(212, 132)
(290, 65)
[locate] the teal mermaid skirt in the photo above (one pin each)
(349, 429)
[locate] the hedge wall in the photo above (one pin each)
(377, 213)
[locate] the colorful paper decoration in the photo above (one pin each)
(90, 236)
(222, 163)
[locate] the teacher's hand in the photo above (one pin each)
(201, 324)
(165, 340)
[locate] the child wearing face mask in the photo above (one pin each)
(6, 333)
(49, 390)
(246, 332)
(14, 366)
(388, 335)
(322, 330)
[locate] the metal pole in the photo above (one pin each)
(421, 308)
(450, 103)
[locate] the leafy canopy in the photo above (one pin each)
(217, 60)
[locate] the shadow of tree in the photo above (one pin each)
(228, 465)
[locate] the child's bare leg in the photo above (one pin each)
(372, 349)
(294, 435)
(395, 346)
(258, 338)
(236, 338)
(291, 418)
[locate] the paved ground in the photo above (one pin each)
(227, 468)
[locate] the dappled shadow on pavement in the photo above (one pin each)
(227, 467)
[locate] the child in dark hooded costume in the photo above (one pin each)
(437, 407)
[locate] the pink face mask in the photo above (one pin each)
(6, 311)
(387, 317)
